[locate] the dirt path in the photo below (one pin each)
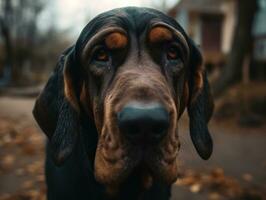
(21, 151)
(237, 169)
(239, 156)
(16, 107)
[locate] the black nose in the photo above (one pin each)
(143, 121)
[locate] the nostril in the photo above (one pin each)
(130, 129)
(148, 121)
(159, 128)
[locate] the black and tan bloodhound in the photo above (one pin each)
(111, 107)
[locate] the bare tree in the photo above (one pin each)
(18, 25)
(241, 46)
(5, 31)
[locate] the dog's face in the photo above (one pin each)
(138, 80)
(133, 71)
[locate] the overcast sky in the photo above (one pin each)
(74, 14)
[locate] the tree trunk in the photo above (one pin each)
(241, 46)
(6, 33)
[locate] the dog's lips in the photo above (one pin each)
(164, 169)
(115, 167)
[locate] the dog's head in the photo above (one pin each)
(133, 71)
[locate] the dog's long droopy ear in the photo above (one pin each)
(200, 105)
(57, 111)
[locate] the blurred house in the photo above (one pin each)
(259, 33)
(211, 25)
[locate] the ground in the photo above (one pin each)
(236, 170)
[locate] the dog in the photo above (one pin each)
(111, 107)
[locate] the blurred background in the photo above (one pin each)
(232, 36)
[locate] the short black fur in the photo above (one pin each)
(74, 136)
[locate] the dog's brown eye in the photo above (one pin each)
(172, 53)
(101, 55)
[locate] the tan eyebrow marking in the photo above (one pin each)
(97, 38)
(159, 34)
(116, 40)
(174, 33)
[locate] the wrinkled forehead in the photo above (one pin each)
(130, 20)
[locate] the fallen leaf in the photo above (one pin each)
(195, 188)
(247, 177)
(7, 162)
